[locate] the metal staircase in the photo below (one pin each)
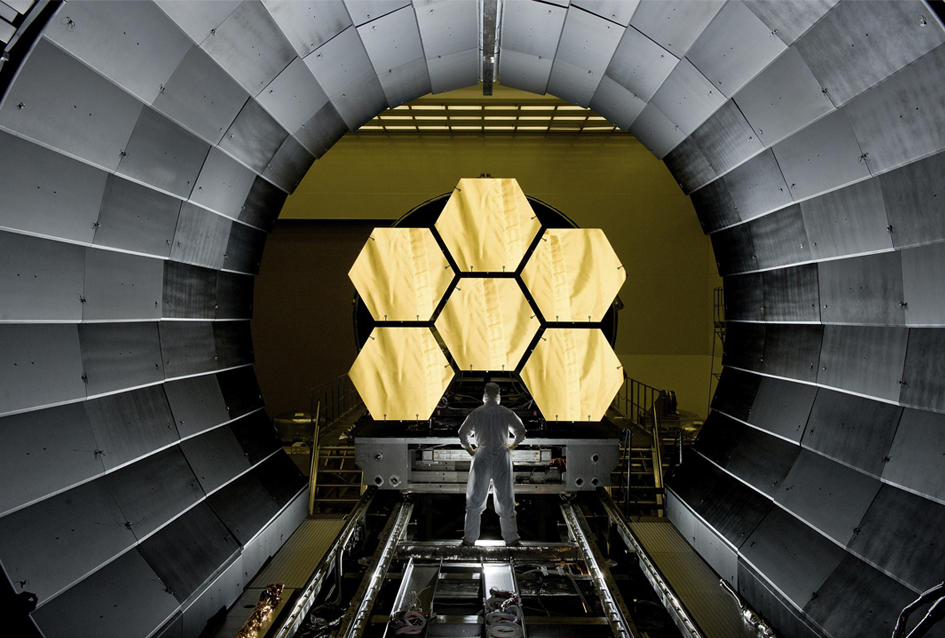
(337, 482)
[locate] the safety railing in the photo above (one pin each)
(640, 404)
(338, 398)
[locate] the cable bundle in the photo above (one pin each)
(408, 622)
(503, 615)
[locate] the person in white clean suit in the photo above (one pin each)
(485, 435)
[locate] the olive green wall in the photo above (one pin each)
(610, 182)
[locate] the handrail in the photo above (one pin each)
(638, 402)
(338, 398)
(313, 469)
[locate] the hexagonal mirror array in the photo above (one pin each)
(487, 322)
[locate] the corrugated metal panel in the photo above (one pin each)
(298, 558)
(47, 193)
(52, 544)
(250, 47)
(40, 280)
(200, 95)
(95, 118)
(130, 425)
(136, 218)
(116, 356)
(162, 154)
(46, 451)
(863, 360)
(41, 366)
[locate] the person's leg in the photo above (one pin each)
(504, 482)
(477, 491)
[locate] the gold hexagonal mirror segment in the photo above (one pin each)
(487, 324)
(401, 374)
(573, 374)
(401, 274)
(574, 274)
(487, 225)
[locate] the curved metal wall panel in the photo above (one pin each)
(919, 444)
(121, 287)
(136, 218)
(124, 598)
(726, 139)
(657, 133)
(244, 506)
(308, 26)
(188, 348)
(200, 95)
(852, 430)
(915, 201)
(689, 165)
(834, 507)
(863, 290)
(46, 193)
(116, 356)
(850, 50)
(130, 425)
(789, 19)
(234, 296)
(61, 540)
(240, 391)
(793, 351)
(35, 99)
(687, 97)
(772, 605)
(197, 404)
(791, 294)
(141, 60)
(189, 292)
(584, 51)
(744, 346)
(40, 279)
(262, 205)
(201, 237)
(781, 238)
(289, 165)
(41, 366)
(46, 451)
(155, 490)
(639, 64)
(848, 221)
(673, 29)
(223, 184)
(864, 360)
(923, 289)
(186, 553)
(216, 457)
(249, 28)
(253, 137)
(782, 407)
(744, 298)
(923, 378)
(735, 393)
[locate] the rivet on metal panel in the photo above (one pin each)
(19, 105)
(68, 22)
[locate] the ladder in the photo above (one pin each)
(336, 480)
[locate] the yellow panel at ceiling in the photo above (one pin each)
(487, 225)
(401, 374)
(401, 274)
(573, 374)
(487, 324)
(574, 274)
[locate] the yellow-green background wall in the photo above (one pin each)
(610, 182)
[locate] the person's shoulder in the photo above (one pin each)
(507, 411)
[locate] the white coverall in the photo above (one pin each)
(488, 427)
